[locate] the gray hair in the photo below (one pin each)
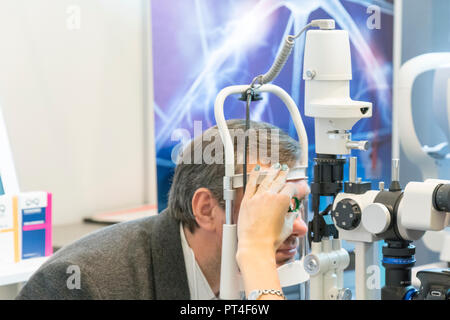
(189, 177)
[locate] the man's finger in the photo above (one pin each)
(279, 183)
(251, 186)
(270, 177)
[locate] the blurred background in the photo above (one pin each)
(91, 91)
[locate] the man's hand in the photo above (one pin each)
(263, 210)
(261, 220)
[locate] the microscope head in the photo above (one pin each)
(394, 214)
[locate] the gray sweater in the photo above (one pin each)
(141, 259)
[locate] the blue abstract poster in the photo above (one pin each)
(201, 46)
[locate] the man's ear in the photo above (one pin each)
(203, 206)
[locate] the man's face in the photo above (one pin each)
(286, 252)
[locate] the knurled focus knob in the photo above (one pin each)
(442, 198)
(347, 214)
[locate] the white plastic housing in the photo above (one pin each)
(445, 252)
(416, 210)
(366, 254)
(327, 72)
(366, 263)
(326, 277)
(360, 233)
(229, 274)
(292, 273)
(327, 53)
(403, 118)
(439, 241)
(290, 104)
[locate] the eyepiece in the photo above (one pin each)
(441, 197)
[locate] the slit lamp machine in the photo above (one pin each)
(358, 213)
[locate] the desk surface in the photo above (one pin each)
(19, 272)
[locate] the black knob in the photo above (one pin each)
(441, 199)
(347, 214)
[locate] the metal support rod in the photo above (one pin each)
(395, 173)
(352, 172)
(304, 248)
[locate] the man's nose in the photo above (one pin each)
(300, 228)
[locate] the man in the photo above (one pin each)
(175, 255)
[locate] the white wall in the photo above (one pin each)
(74, 89)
